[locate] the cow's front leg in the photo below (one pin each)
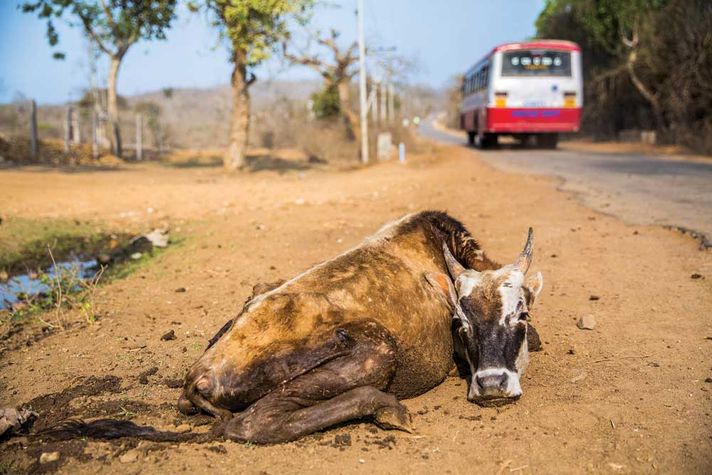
(347, 388)
(273, 420)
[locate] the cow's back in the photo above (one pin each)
(381, 280)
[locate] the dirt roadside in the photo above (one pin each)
(630, 396)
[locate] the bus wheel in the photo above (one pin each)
(470, 138)
(486, 140)
(549, 141)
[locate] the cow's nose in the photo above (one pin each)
(186, 406)
(492, 385)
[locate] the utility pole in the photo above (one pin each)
(33, 129)
(362, 83)
(384, 97)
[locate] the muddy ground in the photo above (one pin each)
(630, 396)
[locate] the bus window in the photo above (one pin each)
(536, 63)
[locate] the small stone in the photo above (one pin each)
(572, 351)
(587, 322)
(183, 428)
(593, 298)
(174, 383)
(136, 255)
(4, 276)
(708, 380)
(180, 290)
(129, 457)
(169, 335)
(138, 344)
(48, 457)
(696, 276)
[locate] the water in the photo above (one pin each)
(25, 284)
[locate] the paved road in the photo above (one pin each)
(641, 189)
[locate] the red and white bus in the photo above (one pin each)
(526, 89)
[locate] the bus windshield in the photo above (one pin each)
(536, 63)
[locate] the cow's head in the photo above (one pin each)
(491, 309)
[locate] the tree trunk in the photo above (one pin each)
(112, 106)
(645, 92)
(348, 115)
(240, 124)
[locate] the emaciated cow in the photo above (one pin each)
(349, 337)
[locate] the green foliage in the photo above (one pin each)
(326, 102)
(665, 45)
(113, 25)
(255, 27)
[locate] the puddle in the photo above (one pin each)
(30, 286)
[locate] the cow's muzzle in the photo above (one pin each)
(494, 387)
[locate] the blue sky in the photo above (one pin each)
(444, 37)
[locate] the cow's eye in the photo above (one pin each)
(524, 316)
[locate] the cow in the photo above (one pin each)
(349, 337)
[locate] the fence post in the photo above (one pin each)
(76, 131)
(33, 129)
(139, 137)
(67, 129)
(94, 136)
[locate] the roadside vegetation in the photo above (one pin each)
(647, 65)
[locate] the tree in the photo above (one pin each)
(336, 71)
(253, 29)
(113, 26)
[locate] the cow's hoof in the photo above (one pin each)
(394, 417)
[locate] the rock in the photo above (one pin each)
(708, 380)
(136, 255)
(180, 290)
(593, 298)
(168, 336)
(696, 276)
(158, 238)
(137, 344)
(587, 322)
(174, 383)
(129, 457)
(13, 421)
(143, 377)
(183, 428)
(4, 276)
(48, 457)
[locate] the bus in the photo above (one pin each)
(524, 90)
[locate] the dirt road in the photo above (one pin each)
(630, 396)
(640, 188)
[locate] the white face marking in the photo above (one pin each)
(467, 282)
(522, 360)
(511, 292)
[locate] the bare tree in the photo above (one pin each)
(337, 70)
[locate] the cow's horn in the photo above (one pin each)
(453, 266)
(525, 258)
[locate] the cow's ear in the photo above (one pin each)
(443, 285)
(534, 284)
